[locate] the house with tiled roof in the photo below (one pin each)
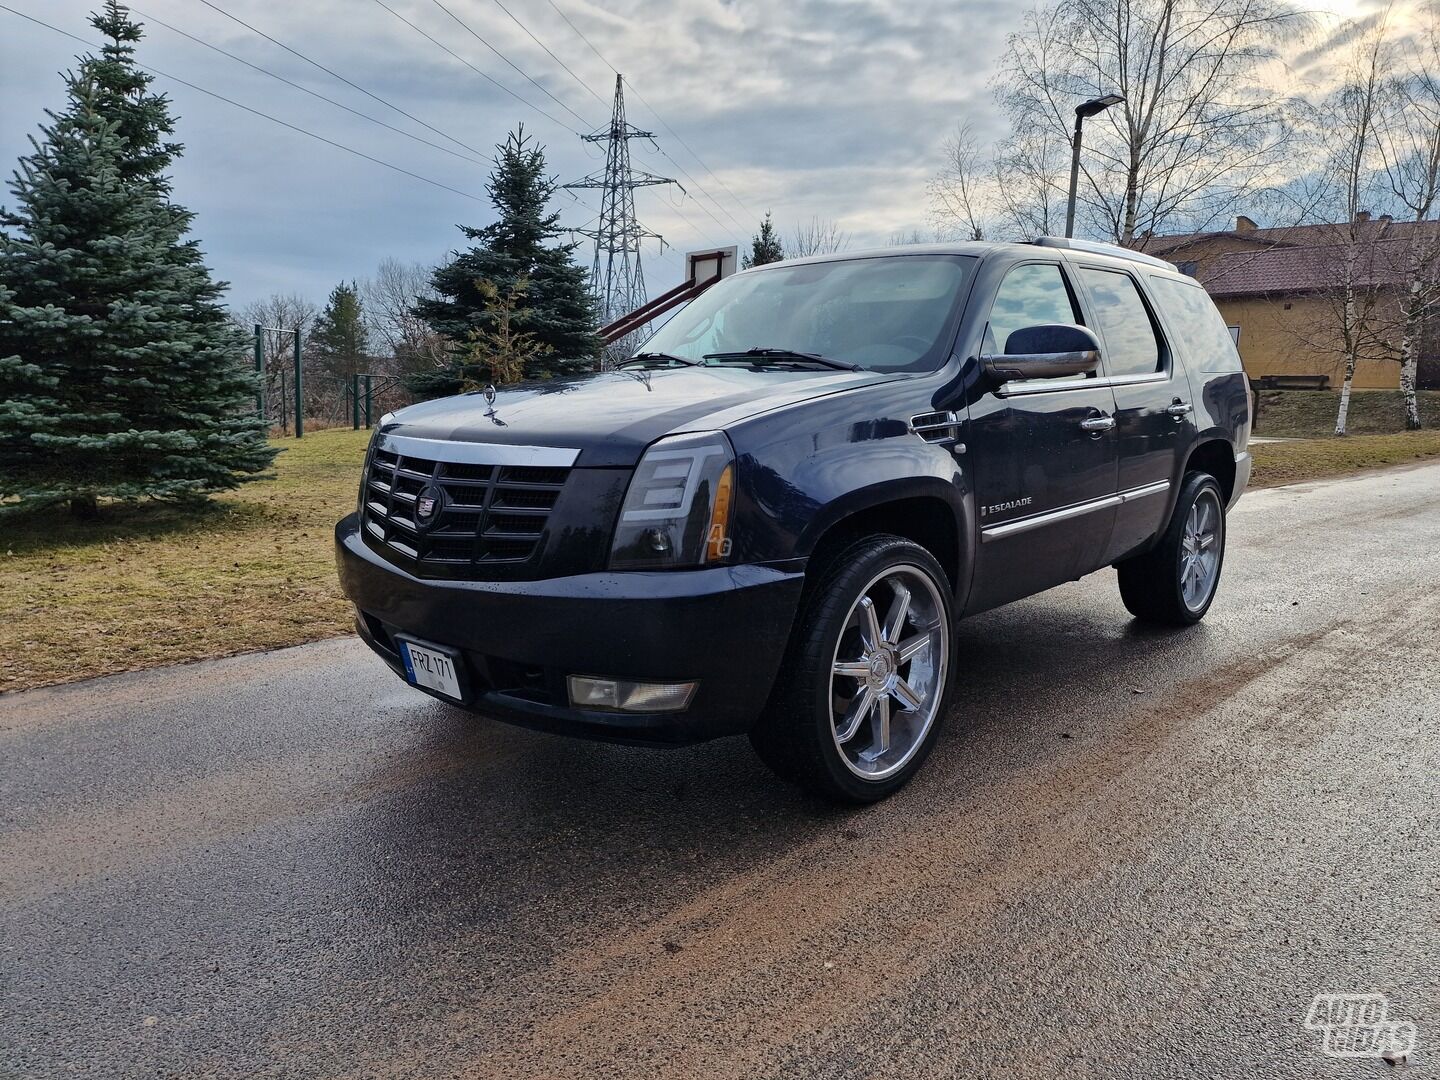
(1281, 292)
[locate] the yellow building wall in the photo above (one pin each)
(1294, 337)
(1296, 340)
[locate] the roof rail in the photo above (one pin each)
(1113, 250)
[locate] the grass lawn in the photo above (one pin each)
(1310, 414)
(153, 585)
(1314, 459)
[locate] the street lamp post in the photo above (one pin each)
(1090, 108)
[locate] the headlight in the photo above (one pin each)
(677, 511)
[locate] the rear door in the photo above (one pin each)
(1153, 413)
(1045, 484)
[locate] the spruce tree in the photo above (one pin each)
(554, 307)
(339, 339)
(120, 374)
(765, 246)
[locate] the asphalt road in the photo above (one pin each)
(1133, 854)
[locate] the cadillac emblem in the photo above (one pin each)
(427, 506)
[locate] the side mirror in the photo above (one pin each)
(1047, 351)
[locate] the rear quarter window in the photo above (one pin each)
(1199, 329)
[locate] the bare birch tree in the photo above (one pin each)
(1347, 123)
(962, 193)
(1199, 129)
(1408, 139)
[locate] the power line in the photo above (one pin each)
(584, 85)
(743, 208)
(599, 55)
(342, 78)
(313, 93)
(617, 274)
(254, 112)
(538, 85)
(441, 45)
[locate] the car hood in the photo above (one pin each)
(610, 417)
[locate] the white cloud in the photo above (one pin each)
(833, 108)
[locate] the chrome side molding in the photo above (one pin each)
(1074, 510)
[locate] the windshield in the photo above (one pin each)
(891, 313)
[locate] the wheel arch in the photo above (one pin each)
(1217, 457)
(924, 510)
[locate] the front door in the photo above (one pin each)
(1044, 455)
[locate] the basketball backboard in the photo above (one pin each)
(713, 262)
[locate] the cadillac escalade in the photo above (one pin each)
(768, 520)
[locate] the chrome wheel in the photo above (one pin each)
(1200, 550)
(888, 672)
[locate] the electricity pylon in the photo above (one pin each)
(616, 276)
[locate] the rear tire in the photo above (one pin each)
(1174, 583)
(861, 693)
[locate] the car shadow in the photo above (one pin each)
(519, 813)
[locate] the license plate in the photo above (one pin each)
(431, 668)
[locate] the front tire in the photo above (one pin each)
(859, 700)
(1174, 583)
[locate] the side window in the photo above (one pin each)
(1209, 344)
(1031, 294)
(1132, 346)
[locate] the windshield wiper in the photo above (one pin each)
(757, 354)
(662, 358)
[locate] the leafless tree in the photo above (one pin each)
(1408, 138)
(963, 193)
(914, 236)
(821, 236)
(389, 299)
(1199, 129)
(1343, 132)
(279, 312)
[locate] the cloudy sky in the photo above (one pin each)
(834, 108)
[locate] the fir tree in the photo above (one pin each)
(554, 308)
(765, 246)
(120, 373)
(339, 339)
(122, 96)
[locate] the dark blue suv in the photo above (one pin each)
(768, 521)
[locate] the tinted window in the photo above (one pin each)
(1131, 347)
(1204, 337)
(1029, 295)
(886, 314)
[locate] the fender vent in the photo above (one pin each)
(936, 427)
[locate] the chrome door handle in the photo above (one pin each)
(1180, 410)
(1097, 424)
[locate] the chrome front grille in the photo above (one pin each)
(448, 515)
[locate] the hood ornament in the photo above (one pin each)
(489, 394)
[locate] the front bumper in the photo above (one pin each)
(725, 628)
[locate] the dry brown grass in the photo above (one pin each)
(150, 585)
(1315, 459)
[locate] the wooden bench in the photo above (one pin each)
(1291, 382)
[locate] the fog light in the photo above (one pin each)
(621, 695)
